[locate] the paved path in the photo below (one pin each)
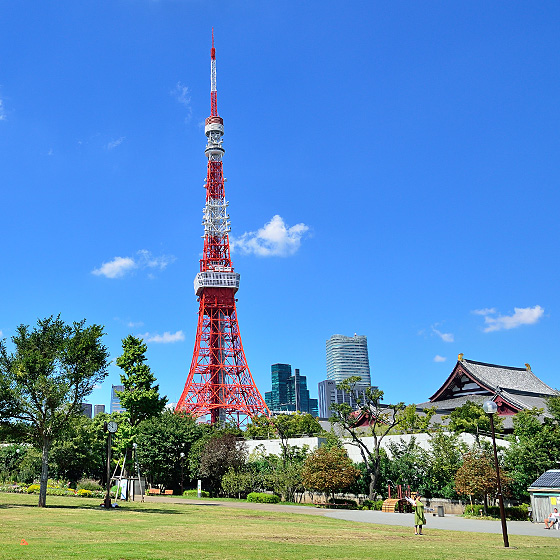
(449, 522)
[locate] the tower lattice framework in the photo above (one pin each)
(220, 385)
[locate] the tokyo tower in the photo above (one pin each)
(220, 386)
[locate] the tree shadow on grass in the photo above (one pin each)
(97, 508)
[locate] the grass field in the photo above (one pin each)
(78, 528)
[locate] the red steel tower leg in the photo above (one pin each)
(220, 386)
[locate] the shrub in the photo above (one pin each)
(516, 513)
(372, 504)
(194, 494)
(86, 484)
(33, 489)
(84, 493)
(262, 498)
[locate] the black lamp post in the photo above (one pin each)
(490, 407)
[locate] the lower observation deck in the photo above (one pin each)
(214, 279)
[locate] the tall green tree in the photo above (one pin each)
(534, 448)
(470, 418)
(140, 396)
(164, 444)
(53, 369)
(370, 419)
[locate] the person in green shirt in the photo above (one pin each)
(419, 517)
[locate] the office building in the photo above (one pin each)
(329, 395)
(289, 392)
(86, 409)
(115, 401)
(347, 356)
(98, 409)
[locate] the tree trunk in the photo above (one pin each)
(373, 476)
(44, 472)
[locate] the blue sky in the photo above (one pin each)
(392, 171)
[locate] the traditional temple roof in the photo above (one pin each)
(469, 378)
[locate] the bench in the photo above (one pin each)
(154, 491)
(168, 492)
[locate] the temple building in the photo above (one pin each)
(512, 388)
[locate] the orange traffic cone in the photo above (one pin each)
(23, 541)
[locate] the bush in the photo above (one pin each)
(33, 489)
(194, 494)
(86, 484)
(515, 513)
(84, 493)
(372, 504)
(262, 498)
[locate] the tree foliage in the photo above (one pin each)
(140, 396)
(413, 422)
(534, 448)
(470, 418)
(329, 470)
(53, 369)
(163, 446)
(219, 454)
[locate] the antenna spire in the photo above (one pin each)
(213, 91)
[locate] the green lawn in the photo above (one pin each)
(78, 528)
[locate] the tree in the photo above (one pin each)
(221, 453)
(470, 418)
(54, 368)
(534, 448)
(445, 456)
(477, 477)
(164, 443)
(329, 471)
(140, 396)
(408, 464)
(379, 420)
(412, 422)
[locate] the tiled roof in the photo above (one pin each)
(508, 378)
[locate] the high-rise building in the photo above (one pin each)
(86, 409)
(329, 395)
(98, 409)
(115, 400)
(289, 392)
(347, 356)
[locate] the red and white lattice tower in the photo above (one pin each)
(220, 386)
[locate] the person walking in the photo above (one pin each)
(419, 517)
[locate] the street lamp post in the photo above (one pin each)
(182, 464)
(490, 407)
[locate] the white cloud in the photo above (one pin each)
(117, 268)
(1, 333)
(520, 316)
(446, 337)
(438, 358)
(134, 325)
(275, 239)
(2, 111)
(165, 338)
(181, 94)
(120, 266)
(114, 143)
(485, 311)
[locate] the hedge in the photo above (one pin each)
(515, 513)
(262, 498)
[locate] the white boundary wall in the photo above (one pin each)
(272, 446)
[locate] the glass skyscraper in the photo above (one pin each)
(347, 356)
(289, 392)
(115, 401)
